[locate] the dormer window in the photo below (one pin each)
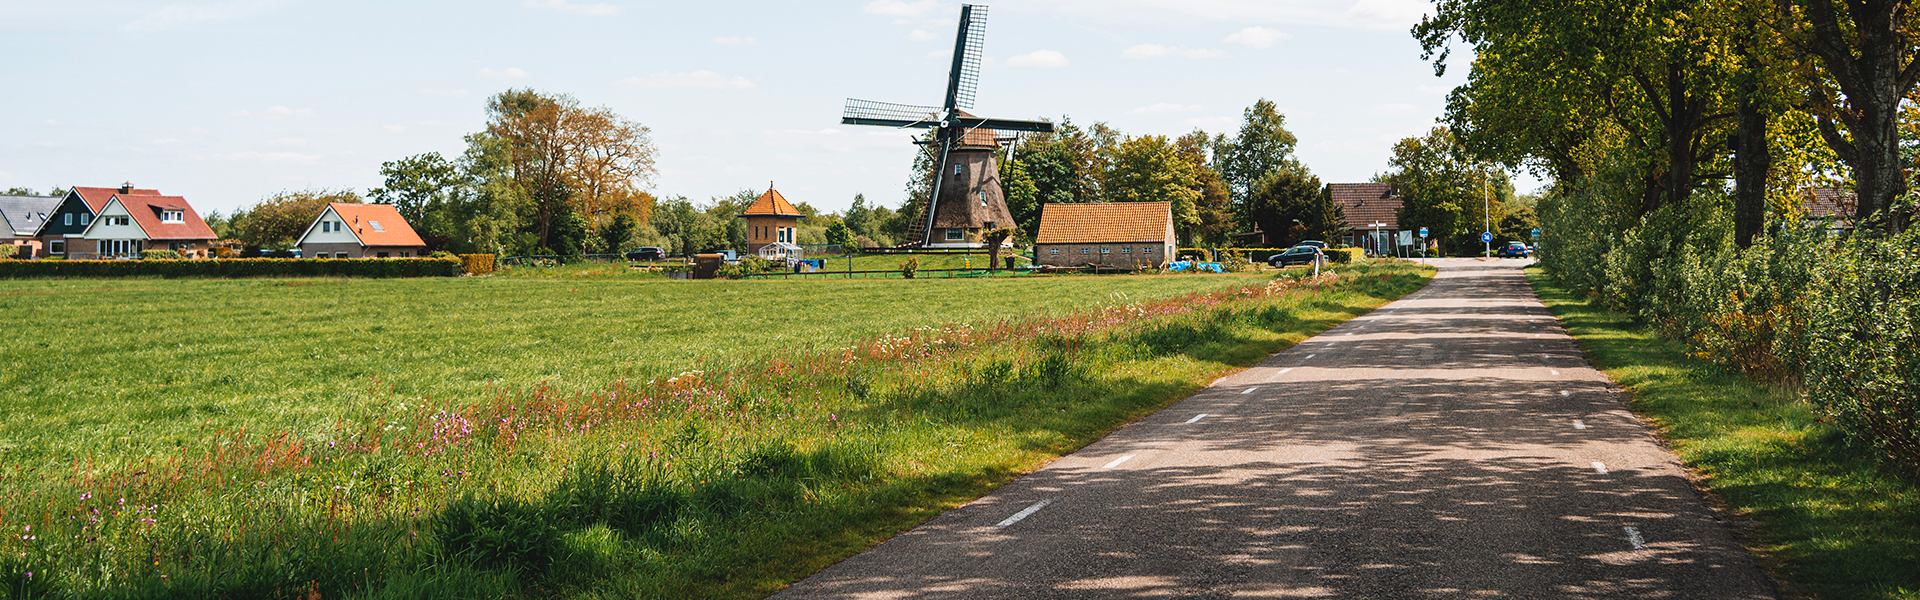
(173, 216)
(120, 221)
(376, 226)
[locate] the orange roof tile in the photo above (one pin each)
(1367, 203)
(1107, 222)
(96, 197)
(772, 204)
(392, 229)
(146, 209)
(1824, 202)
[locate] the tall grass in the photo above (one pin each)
(723, 481)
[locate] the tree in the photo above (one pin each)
(1149, 169)
(618, 232)
(1023, 197)
(1859, 65)
(1444, 189)
(1263, 146)
(841, 235)
(679, 221)
(568, 159)
(278, 221)
(419, 187)
(1292, 202)
(1214, 208)
(993, 238)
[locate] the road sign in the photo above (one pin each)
(1423, 232)
(1536, 233)
(1486, 236)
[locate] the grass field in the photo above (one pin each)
(1828, 522)
(696, 439)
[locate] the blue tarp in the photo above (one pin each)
(1182, 265)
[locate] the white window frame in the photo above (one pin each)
(57, 246)
(67, 220)
(1055, 251)
(173, 216)
(1106, 250)
(955, 234)
(85, 218)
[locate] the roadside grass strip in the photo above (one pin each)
(728, 481)
(1825, 520)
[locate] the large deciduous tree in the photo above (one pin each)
(1293, 203)
(1262, 147)
(567, 159)
(1149, 169)
(278, 221)
(1445, 190)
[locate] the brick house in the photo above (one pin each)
(1125, 235)
(129, 224)
(1372, 214)
(771, 220)
(360, 231)
(61, 235)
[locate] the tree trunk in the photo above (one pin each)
(1751, 158)
(1872, 62)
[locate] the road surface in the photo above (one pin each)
(1452, 444)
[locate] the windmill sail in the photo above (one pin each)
(968, 48)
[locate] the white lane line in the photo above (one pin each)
(1553, 371)
(1310, 357)
(1579, 424)
(1633, 537)
(1251, 389)
(1116, 462)
(1025, 513)
(1599, 467)
(1284, 371)
(1349, 333)
(1196, 418)
(1565, 393)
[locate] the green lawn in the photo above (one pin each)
(1829, 523)
(142, 365)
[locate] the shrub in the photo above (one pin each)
(1344, 255)
(159, 254)
(476, 264)
(909, 266)
(239, 267)
(7, 251)
(442, 254)
(1863, 355)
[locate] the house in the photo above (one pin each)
(1127, 235)
(360, 231)
(1372, 212)
(1827, 202)
(60, 236)
(129, 224)
(771, 220)
(21, 218)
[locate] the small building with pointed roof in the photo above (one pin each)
(21, 218)
(62, 234)
(1125, 235)
(346, 230)
(129, 224)
(771, 220)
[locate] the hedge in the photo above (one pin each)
(1345, 255)
(236, 267)
(476, 264)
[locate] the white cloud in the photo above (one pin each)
(905, 10)
(1388, 14)
(289, 158)
(921, 35)
(176, 15)
(509, 73)
(702, 80)
(734, 40)
(1039, 59)
(1144, 51)
(277, 113)
(1162, 108)
(54, 123)
(445, 93)
(1256, 37)
(595, 10)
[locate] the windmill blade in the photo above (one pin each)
(1004, 124)
(888, 114)
(968, 48)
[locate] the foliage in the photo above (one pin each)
(1149, 169)
(1262, 147)
(749, 265)
(1294, 204)
(237, 267)
(1863, 355)
(278, 221)
(1447, 191)
(1214, 219)
(160, 254)
(8, 251)
(841, 235)
(1023, 197)
(909, 266)
(420, 187)
(476, 264)
(1345, 255)
(569, 160)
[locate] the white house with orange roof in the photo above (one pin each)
(129, 224)
(360, 231)
(61, 234)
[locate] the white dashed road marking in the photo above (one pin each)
(1024, 514)
(1599, 467)
(1196, 418)
(1577, 424)
(1284, 371)
(1310, 356)
(1565, 393)
(1633, 537)
(1553, 371)
(1251, 389)
(1116, 462)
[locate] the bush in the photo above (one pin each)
(476, 264)
(909, 266)
(160, 254)
(442, 254)
(1863, 355)
(8, 251)
(1344, 255)
(239, 267)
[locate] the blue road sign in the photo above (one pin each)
(1423, 232)
(1486, 236)
(1536, 233)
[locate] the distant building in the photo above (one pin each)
(360, 231)
(1372, 214)
(771, 220)
(1824, 202)
(21, 218)
(61, 235)
(1126, 235)
(129, 224)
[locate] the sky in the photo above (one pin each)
(229, 102)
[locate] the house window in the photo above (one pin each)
(956, 169)
(983, 198)
(406, 254)
(955, 235)
(1083, 250)
(68, 220)
(85, 218)
(381, 255)
(119, 221)
(1127, 250)
(1055, 251)
(173, 216)
(56, 247)
(1147, 250)
(339, 255)
(376, 226)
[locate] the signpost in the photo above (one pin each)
(1486, 237)
(1423, 245)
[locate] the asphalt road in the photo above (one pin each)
(1452, 444)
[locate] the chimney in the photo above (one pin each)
(126, 188)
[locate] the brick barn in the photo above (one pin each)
(1124, 235)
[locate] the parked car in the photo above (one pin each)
(1297, 255)
(646, 253)
(1515, 250)
(1315, 243)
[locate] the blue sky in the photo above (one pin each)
(229, 102)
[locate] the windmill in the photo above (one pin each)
(966, 198)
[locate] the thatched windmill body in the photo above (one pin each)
(965, 199)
